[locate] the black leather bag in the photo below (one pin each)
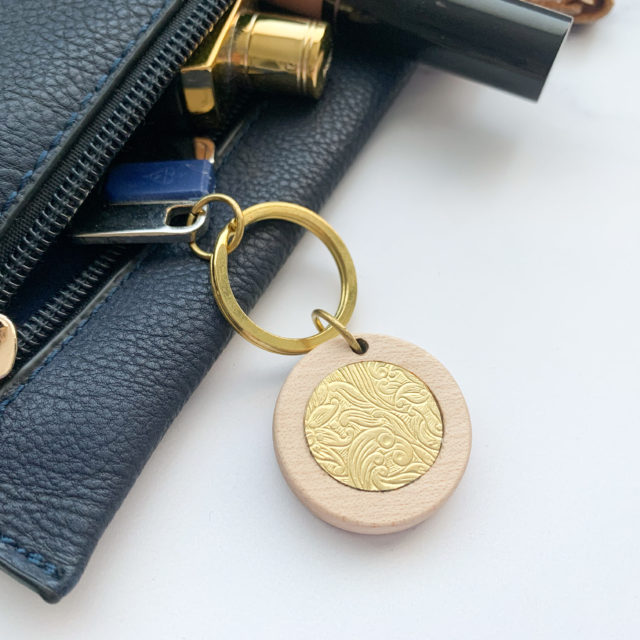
(112, 341)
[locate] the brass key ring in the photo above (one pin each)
(226, 300)
(409, 435)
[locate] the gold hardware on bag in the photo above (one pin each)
(8, 346)
(254, 50)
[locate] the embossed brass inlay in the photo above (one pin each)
(373, 426)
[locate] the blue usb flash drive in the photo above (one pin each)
(142, 201)
(166, 181)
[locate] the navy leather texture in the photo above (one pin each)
(59, 60)
(74, 437)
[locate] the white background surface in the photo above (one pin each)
(503, 237)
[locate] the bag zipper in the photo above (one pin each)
(46, 324)
(47, 215)
(41, 221)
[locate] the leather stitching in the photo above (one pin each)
(31, 556)
(73, 117)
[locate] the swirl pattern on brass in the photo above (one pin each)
(373, 426)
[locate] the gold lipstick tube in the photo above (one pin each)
(256, 51)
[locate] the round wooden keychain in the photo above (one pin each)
(372, 433)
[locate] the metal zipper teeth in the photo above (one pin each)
(46, 322)
(161, 63)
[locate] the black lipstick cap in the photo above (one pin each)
(503, 43)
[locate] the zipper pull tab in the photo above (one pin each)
(150, 202)
(143, 223)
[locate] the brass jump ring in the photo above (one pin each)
(352, 341)
(235, 226)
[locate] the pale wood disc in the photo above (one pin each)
(344, 506)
